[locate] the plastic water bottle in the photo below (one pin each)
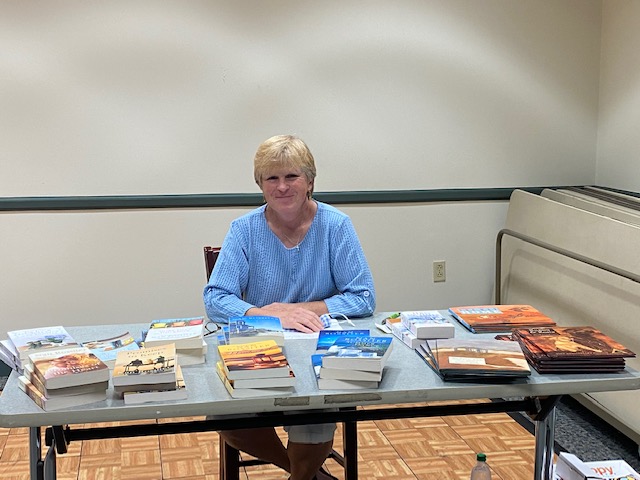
(481, 471)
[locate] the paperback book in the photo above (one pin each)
(58, 402)
(146, 366)
(336, 383)
(326, 338)
(248, 392)
(68, 367)
(359, 353)
(107, 349)
(475, 359)
(254, 360)
(33, 340)
(267, 382)
(427, 324)
(254, 329)
(500, 318)
(65, 391)
(185, 333)
(178, 391)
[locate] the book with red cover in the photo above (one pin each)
(500, 318)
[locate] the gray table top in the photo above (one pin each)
(407, 379)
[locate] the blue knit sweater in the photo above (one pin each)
(255, 269)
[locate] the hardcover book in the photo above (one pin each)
(249, 392)
(427, 324)
(500, 318)
(183, 332)
(358, 353)
(33, 340)
(68, 367)
(146, 366)
(475, 359)
(58, 402)
(254, 360)
(332, 383)
(254, 329)
(177, 392)
(106, 349)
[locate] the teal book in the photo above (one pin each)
(326, 338)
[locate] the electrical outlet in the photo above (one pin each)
(439, 271)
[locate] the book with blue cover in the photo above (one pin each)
(359, 353)
(326, 338)
(256, 328)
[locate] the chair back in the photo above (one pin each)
(210, 259)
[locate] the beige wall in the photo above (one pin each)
(173, 97)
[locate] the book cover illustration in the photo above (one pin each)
(326, 338)
(107, 349)
(499, 318)
(360, 353)
(486, 356)
(256, 359)
(146, 365)
(184, 332)
(255, 328)
(581, 341)
(68, 367)
(42, 338)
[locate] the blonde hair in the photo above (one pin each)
(284, 151)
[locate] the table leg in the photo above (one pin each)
(545, 437)
(36, 465)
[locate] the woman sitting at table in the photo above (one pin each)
(296, 259)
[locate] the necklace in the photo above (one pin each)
(294, 244)
(280, 231)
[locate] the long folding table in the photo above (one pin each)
(407, 381)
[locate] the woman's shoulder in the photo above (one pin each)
(249, 218)
(331, 212)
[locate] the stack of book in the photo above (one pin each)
(107, 349)
(256, 369)
(571, 350)
(20, 343)
(187, 334)
(350, 359)
(500, 318)
(64, 378)
(149, 374)
(475, 360)
(428, 324)
(255, 329)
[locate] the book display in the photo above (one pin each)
(177, 391)
(68, 367)
(500, 318)
(146, 367)
(106, 349)
(475, 360)
(425, 324)
(254, 329)
(264, 359)
(571, 350)
(337, 379)
(187, 334)
(33, 340)
(64, 391)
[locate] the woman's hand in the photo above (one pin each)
(294, 316)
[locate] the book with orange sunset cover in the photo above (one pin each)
(254, 360)
(500, 318)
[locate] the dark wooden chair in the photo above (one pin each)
(230, 460)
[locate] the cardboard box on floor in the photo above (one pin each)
(570, 467)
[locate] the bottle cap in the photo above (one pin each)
(481, 457)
